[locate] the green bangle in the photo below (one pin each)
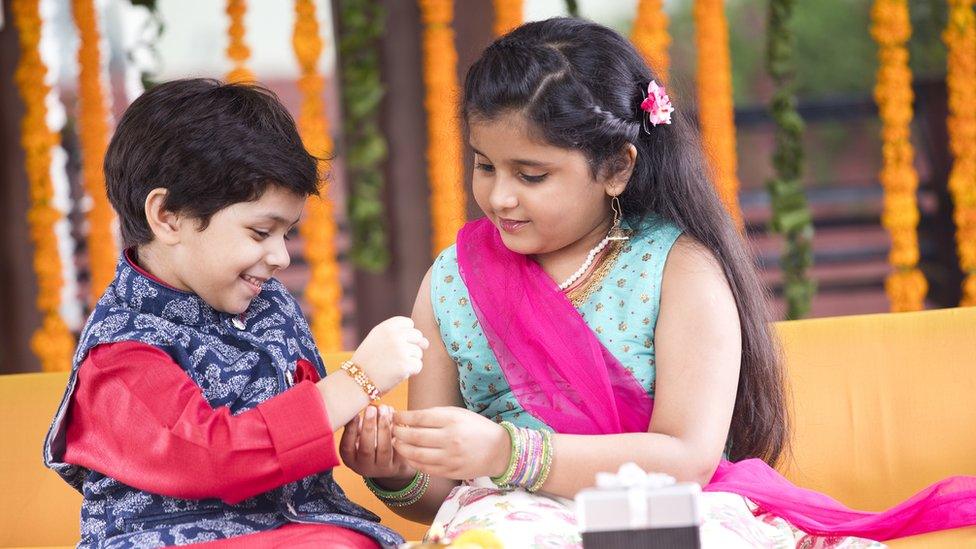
(506, 478)
(391, 495)
(414, 498)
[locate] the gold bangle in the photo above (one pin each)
(359, 376)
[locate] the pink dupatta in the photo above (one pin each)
(560, 373)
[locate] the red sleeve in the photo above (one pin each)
(136, 416)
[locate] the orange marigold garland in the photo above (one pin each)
(93, 129)
(318, 230)
(891, 29)
(237, 50)
(715, 108)
(650, 36)
(508, 15)
(447, 197)
(52, 342)
(960, 37)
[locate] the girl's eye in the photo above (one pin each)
(487, 168)
(261, 234)
(291, 233)
(533, 178)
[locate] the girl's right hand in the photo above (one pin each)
(391, 352)
(367, 448)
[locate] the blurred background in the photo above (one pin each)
(383, 126)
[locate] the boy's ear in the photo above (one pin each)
(164, 224)
(620, 170)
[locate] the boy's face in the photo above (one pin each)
(242, 247)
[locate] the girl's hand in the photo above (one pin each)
(367, 448)
(452, 442)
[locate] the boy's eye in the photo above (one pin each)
(261, 234)
(533, 178)
(487, 168)
(291, 233)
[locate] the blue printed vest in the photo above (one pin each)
(238, 362)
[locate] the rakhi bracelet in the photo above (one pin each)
(359, 376)
(530, 461)
(407, 495)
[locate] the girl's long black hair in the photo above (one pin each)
(580, 86)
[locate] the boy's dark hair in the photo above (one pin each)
(210, 144)
(579, 86)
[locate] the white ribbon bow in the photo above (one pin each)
(636, 481)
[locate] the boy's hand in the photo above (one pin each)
(391, 352)
(367, 448)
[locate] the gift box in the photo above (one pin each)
(634, 509)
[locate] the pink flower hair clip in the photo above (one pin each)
(656, 105)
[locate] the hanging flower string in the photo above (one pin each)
(93, 129)
(72, 309)
(237, 50)
(318, 230)
(361, 28)
(960, 37)
(52, 342)
(791, 217)
(650, 36)
(508, 15)
(447, 197)
(715, 108)
(891, 29)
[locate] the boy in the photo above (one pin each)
(198, 409)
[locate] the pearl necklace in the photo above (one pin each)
(586, 264)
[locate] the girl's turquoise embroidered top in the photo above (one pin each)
(622, 311)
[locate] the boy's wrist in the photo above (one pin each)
(343, 398)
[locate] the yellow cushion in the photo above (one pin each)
(882, 407)
(879, 412)
(37, 508)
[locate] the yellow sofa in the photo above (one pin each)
(882, 406)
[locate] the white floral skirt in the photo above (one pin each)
(521, 519)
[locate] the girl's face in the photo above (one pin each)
(242, 247)
(542, 198)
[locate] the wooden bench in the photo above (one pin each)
(883, 405)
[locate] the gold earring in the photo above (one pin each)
(616, 231)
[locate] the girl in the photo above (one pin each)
(605, 282)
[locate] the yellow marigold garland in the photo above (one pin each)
(715, 108)
(447, 197)
(650, 36)
(52, 342)
(891, 29)
(508, 15)
(93, 129)
(237, 49)
(960, 37)
(318, 230)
